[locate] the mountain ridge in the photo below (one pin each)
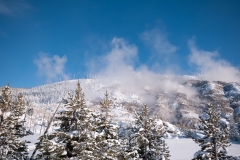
(177, 108)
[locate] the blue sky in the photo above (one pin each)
(47, 41)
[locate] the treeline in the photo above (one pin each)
(83, 134)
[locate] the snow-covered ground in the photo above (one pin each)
(180, 148)
(184, 148)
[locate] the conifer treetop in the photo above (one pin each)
(105, 104)
(143, 118)
(19, 104)
(6, 99)
(77, 100)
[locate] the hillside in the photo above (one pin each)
(180, 108)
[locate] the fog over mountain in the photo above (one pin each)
(179, 102)
(173, 97)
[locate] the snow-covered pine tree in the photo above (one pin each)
(105, 105)
(146, 142)
(126, 153)
(162, 151)
(46, 148)
(12, 126)
(5, 106)
(76, 135)
(107, 138)
(238, 127)
(215, 141)
(237, 120)
(234, 135)
(5, 102)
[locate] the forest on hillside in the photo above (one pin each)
(82, 133)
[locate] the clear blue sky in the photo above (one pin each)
(67, 37)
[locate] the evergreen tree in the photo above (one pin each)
(234, 134)
(77, 131)
(126, 152)
(12, 126)
(238, 127)
(146, 142)
(46, 148)
(5, 102)
(215, 141)
(107, 138)
(105, 106)
(237, 120)
(161, 149)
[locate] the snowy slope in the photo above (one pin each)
(175, 107)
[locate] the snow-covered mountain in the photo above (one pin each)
(176, 107)
(179, 109)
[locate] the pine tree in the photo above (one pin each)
(161, 149)
(126, 152)
(46, 148)
(237, 120)
(76, 135)
(5, 102)
(146, 142)
(107, 139)
(234, 134)
(215, 141)
(238, 127)
(12, 125)
(105, 105)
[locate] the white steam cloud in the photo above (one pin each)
(211, 68)
(51, 67)
(158, 41)
(120, 70)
